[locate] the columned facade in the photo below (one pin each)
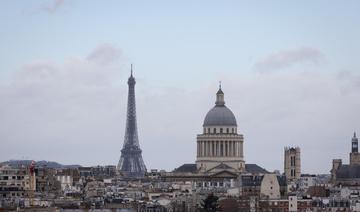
(220, 142)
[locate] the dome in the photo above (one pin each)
(220, 115)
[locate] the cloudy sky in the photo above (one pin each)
(290, 72)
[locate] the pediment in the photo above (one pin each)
(221, 167)
(224, 173)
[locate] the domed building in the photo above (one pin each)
(220, 156)
(220, 145)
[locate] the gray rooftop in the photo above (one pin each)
(348, 172)
(251, 168)
(188, 167)
(255, 169)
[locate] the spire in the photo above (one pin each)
(131, 80)
(354, 143)
(355, 138)
(220, 96)
(131, 70)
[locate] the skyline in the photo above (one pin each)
(290, 77)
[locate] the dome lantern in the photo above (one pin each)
(220, 97)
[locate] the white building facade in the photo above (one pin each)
(220, 142)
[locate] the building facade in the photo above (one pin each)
(220, 142)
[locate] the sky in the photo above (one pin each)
(290, 72)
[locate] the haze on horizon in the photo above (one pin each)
(289, 71)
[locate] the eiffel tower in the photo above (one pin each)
(131, 163)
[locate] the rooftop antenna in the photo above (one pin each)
(219, 84)
(131, 69)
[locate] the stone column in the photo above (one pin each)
(209, 148)
(227, 148)
(234, 149)
(221, 148)
(202, 149)
(240, 149)
(205, 148)
(199, 148)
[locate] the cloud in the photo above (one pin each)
(74, 112)
(104, 54)
(287, 58)
(72, 103)
(54, 6)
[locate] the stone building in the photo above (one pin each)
(220, 157)
(13, 182)
(292, 164)
(267, 186)
(220, 142)
(347, 174)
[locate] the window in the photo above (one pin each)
(293, 172)
(214, 130)
(232, 130)
(227, 130)
(209, 130)
(221, 130)
(292, 160)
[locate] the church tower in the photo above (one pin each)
(354, 154)
(131, 163)
(220, 145)
(292, 163)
